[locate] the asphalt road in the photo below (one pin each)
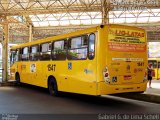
(34, 103)
(34, 100)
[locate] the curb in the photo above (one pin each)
(142, 97)
(2, 84)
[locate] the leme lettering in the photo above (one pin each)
(129, 33)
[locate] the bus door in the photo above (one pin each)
(158, 72)
(82, 64)
(14, 58)
(25, 65)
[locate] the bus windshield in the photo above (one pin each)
(13, 57)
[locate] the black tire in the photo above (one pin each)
(18, 79)
(52, 87)
(141, 92)
(136, 93)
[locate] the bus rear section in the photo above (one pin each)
(125, 61)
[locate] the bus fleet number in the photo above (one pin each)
(51, 67)
(140, 63)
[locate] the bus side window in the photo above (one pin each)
(59, 50)
(91, 49)
(153, 62)
(34, 53)
(45, 51)
(25, 54)
(77, 48)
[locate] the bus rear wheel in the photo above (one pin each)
(52, 87)
(17, 79)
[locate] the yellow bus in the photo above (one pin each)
(156, 67)
(102, 60)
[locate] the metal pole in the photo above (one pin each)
(30, 33)
(105, 11)
(5, 51)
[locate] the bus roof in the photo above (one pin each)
(76, 33)
(58, 37)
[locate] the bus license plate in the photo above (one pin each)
(127, 77)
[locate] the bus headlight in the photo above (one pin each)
(106, 75)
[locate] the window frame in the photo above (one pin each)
(152, 62)
(34, 53)
(41, 53)
(52, 48)
(25, 54)
(69, 39)
(94, 45)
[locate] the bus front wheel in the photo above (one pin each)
(53, 88)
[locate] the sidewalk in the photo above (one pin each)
(150, 95)
(155, 88)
